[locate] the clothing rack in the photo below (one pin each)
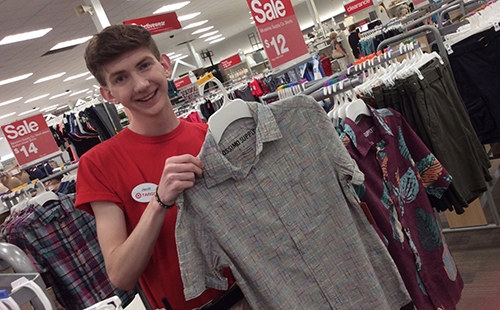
(347, 85)
(12, 256)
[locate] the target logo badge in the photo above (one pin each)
(144, 192)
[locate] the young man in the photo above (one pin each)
(117, 179)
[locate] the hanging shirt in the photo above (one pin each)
(62, 244)
(399, 173)
(275, 205)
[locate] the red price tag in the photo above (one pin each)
(180, 83)
(279, 30)
(30, 139)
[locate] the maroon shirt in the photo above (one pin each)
(399, 173)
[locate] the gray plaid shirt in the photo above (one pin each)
(276, 206)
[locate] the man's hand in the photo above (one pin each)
(179, 174)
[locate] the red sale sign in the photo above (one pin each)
(30, 139)
(157, 23)
(279, 30)
(185, 81)
(357, 6)
(231, 61)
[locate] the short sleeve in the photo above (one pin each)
(433, 175)
(199, 256)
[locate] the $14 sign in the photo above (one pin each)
(279, 30)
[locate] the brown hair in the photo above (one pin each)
(352, 28)
(113, 42)
(333, 36)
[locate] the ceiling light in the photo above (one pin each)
(29, 111)
(75, 76)
(60, 95)
(217, 40)
(36, 98)
(202, 30)
(50, 77)
(49, 107)
(170, 54)
(15, 79)
(7, 115)
(10, 101)
(175, 56)
(182, 57)
(252, 23)
(90, 91)
(188, 16)
(193, 25)
(213, 37)
(62, 107)
(211, 33)
(95, 86)
(70, 43)
(78, 92)
(171, 7)
(90, 77)
(25, 36)
(251, 17)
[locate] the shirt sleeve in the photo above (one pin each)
(199, 256)
(433, 175)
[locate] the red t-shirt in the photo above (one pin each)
(112, 170)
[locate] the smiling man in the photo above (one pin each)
(131, 182)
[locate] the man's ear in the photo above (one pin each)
(106, 94)
(165, 62)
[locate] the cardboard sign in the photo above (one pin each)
(279, 30)
(231, 61)
(157, 23)
(30, 139)
(357, 6)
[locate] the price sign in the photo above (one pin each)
(30, 139)
(231, 61)
(279, 30)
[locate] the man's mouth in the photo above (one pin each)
(148, 97)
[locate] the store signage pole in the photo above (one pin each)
(279, 30)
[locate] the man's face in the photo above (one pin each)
(138, 81)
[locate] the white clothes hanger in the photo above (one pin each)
(230, 111)
(42, 195)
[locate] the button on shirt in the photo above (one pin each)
(275, 205)
(399, 173)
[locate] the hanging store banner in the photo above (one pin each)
(185, 81)
(157, 23)
(30, 139)
(357, 6)
(279, 30)
(231, 61)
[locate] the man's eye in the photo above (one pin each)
(145, 65)
(120, 79)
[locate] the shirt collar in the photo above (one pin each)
(357, 137)
(217, 168)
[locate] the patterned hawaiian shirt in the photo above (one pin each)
(399, 173)
(275, 204)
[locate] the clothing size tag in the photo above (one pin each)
(497, 26)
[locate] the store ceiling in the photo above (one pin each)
(229, 17)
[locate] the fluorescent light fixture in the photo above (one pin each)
(8, 156)
(50, 77)
(29, 111)
(182, 57)
(15, 79)
(36, 98)
(217, 40)
(70, 43)
(170, 54)
(78, 92)
(95, 86)
(251, 17)
(171, 7)
(188, 16)
(202, 30)
(60, 95)
(75, 76)
(252, 23)
(88, 97)
(25, 36)
(10, 101)
(213, 37)
(7, 115)
(211, 33)
(49, 107)
(193, 25)
(90, 91)
(62, 107)
(175, 56)
(90, 77)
